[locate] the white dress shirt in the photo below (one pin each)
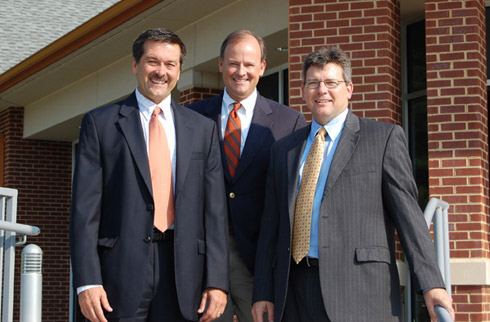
(146, 108)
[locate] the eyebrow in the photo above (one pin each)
(152, 57)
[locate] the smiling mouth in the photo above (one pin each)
(322, 101)
(240, 80)
(154, 81)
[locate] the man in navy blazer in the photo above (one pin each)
(364, 190)
(123, 268)
(242, 62)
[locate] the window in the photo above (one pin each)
(414, 94)
(275, 85)
(415, 105)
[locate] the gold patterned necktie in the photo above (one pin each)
(306, 194)
(161, 174)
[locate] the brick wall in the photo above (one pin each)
(41, 172)
(370, 32)
(458, 133)
(196, 94)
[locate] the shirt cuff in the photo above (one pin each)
(86, 287)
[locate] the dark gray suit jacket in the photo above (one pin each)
(271, 121)
(112, 207)
(370, 192)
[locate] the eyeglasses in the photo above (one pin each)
(329, 83)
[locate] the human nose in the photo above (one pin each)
(241, 70)
(322, 87)
(160, 70)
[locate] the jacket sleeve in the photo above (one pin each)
(85, 207)
(400, 198)
(216, 218)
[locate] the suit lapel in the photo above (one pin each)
(130, 125)
(294, 154)
(347, 144)
(258, 132)
(184, 133)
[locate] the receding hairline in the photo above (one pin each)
(241, 35)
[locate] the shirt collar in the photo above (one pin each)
(146, 106)
(333, 128)
(248, 104)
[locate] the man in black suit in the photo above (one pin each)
(124, 268)
(262, 121)
(336, 192)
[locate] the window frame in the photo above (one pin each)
(280, 70)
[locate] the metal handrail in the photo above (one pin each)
(19, 229)
(443, 314)
(9, 231)
(438, 210)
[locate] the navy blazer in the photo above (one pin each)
(271, 121)
(370, 192)
(112, 207)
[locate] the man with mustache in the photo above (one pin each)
(149, 231)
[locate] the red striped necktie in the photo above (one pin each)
(233, 139)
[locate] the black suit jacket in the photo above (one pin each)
(271, 121)
(112, 207)
(370, 192)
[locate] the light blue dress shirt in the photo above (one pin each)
(334, 130)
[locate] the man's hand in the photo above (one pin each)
(215, 301)
(438, 296)
(92, 301)
(261, 307)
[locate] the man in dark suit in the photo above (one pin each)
(336, 192)
(261, 122)
(128, 263)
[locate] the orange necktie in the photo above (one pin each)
(161, 174)
(232, 139)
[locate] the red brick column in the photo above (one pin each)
(196, 94)
(41, 172)
(370, 32)
(458, 134)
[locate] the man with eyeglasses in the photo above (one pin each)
(336, 192)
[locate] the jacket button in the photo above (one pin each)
(147, 239)
(150, 207)
(232, 195)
